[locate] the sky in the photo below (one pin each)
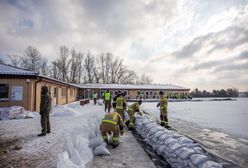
(192, 43)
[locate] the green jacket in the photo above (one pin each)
(45, 103)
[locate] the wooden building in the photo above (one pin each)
(23, 87)
(134, 91)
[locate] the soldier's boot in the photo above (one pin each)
(130, 126)
(115, 145)
(127, 123)
(41, 134)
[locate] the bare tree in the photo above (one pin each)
(44, 66)
(145, 79)
(76, 66)
(15, 59)
(62, 63)
(31, 59)
(89, 66)
(55, 70)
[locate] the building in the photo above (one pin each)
(23, 87)
(134, 91)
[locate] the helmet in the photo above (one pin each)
(140, 102)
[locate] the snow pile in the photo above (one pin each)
(177, 149)
(65, 111)
(85, 140)
(14, 112)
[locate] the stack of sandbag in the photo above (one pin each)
(177, 149)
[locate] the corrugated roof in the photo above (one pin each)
(10, 70)
(132, 86)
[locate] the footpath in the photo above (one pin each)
(128, 154)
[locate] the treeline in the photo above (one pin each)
(231, 92)
(79, 67)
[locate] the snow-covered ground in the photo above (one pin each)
(219, 125)
(73, 124)
(20, 146)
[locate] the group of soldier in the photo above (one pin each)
(113, 122)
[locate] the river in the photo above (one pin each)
(230, 117)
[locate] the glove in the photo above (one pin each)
(158, 104)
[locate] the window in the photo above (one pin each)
(63, 92)
(55, 92)
(4, 92)
(71, 92)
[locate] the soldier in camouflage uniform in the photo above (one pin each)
(45, 108)
(163, 109)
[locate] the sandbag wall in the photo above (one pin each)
(177, 149)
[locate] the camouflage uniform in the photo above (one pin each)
(131, 111)
(112, 122)
(163, 110)
(45, 108)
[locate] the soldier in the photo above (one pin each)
(112, 123)
(45, 108)
(121, 105)
(163, 109)
(131, 111)
(107, 100)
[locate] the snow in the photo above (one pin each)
(227, 116)
(72, 129)
(10, 70)
(75, 137)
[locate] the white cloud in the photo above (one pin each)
(147, 34)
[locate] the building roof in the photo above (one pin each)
(133, 86)
(15, 71)
(10, 70)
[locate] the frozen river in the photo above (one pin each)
(230, 117)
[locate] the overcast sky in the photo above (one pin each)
(192, 43)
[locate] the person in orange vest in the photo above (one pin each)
(163, 109)
(121, 105)
(107, 100)
(131, 111)
(112, 123)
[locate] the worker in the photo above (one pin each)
(112, 123)
(121, 105)
(107, 100)
(114, 99)
(95, 97)
(163, 109)
(131, 111)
